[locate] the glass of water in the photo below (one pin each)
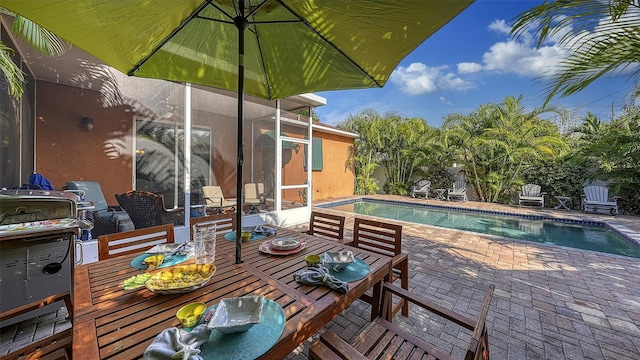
(204, 243)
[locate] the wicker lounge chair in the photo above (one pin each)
(147, 209)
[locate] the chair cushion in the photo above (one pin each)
(112, 215)
(110, 221)
(92, 192)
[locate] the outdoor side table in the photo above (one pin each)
(440, 194)
(562, 200)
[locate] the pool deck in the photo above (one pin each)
(550, 302)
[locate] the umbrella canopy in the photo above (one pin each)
(265, 48)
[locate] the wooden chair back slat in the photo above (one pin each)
(225, 223)
(596, 193)
(129, 242)
(385, 239)
(382, 238)
(531, 190)
(479, 344)
(459, 186)
(382, 339)
(327, 225)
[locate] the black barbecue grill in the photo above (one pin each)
(37, 231)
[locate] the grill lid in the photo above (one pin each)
(27, 211)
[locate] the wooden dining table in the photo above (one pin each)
(110, 322)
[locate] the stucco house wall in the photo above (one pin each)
(337, 177)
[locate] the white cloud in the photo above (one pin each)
(444, 100)
(418, 79)
(500, 26)
(469, 67)
(520, 56)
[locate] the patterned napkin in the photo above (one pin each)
(320, 276)
(174, 343)
(265, 230)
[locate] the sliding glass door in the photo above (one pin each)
(159, 160)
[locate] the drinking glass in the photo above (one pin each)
(204, 242)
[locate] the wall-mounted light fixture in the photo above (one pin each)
(87, 123)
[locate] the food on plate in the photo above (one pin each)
(136, 281)
(184, 276)
(154, 261)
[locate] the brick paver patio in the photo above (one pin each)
(550, 302)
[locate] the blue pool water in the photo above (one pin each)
(581, 236)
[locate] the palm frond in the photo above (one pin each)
(601, 35)
(39, 38)
(11, 71)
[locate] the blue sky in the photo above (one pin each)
(469, 62)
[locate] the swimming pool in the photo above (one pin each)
(570, 234)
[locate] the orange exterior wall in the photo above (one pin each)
(337, 177)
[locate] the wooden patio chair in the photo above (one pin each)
(381, 339)
(129, 242)
(326, 225)
(224, 222)
(458, 191)
(596, 199)
(421, 189)
(531, 194)
(385, 239)
(147, 209)
(56, 346)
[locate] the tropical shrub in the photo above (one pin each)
(559, 177)
(497, 144)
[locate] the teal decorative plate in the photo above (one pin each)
(231, 236)
(249, 344)
(355, 271)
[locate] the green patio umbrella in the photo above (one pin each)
(265, 48)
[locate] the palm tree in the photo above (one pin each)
(499, 142)
(37, 37)
(366, 148)
(601, 35)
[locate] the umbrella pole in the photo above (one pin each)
(241, 23)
